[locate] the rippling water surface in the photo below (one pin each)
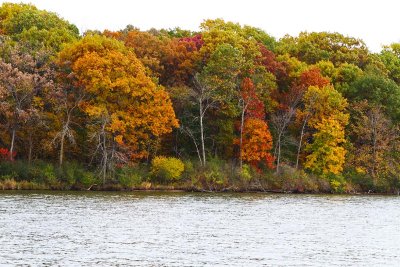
(183, 229)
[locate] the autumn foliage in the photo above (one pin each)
(257, 143)
(316, 105)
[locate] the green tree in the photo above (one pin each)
(39, 29)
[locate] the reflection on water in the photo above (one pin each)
(183, 229)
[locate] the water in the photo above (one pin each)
(184, 229)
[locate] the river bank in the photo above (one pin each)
(10, 185)
(218, 176)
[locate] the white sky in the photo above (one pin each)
(374, 21)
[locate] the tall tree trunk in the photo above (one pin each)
(105, 156)
(241, 140)
(278, 158)
(300, 142)
(202, 134)
(61, 158)
(12, 144)
(374, 149)
(30, 149)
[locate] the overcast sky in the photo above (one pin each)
(374, 21)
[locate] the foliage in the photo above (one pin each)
(130, 176)
(5, 154)
(328, 118)
(39, 28)
(167, 168)
(257, 143)
(319, 107)
(316, 46)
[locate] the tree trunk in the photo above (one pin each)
(12, 144)
(278, 158)
(61, 158)
(202, 134)
(105, 159)
(30, 149)
(241, 140)
(300, 143)
(374, 152)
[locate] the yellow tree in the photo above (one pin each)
(125, 107)
(328, 118)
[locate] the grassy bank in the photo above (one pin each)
(217, 176)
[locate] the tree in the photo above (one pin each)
(125, 107)
(372, 134)
(65, 99)
(379, 90)
(251, 106)
(316, 46)
(327, 155)
(257, 143)
(390, 56)
(328, 118)
(39, 29)
(311, 77)
(20, 83)
(216, 84)
(148, 48)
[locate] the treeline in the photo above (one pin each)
(226, 108)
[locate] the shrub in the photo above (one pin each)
(49, 174)
(8, 184)
(245, 173)
(337, 182)
(362, 179)
(5, 154)
(216, 174)
(25, 185)
(87, 178)
(189, 171)
(129, 176)
(167, 168)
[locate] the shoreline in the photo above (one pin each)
(194, 190)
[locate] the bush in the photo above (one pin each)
(189, 171)
(49, 174)
(362, 179)
(167, 168)
(245, 173)
(8, 184)
(337, 182)
(216, 174)
(87, 178)
(130, 177)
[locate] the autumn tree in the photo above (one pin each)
(328, 120)
(251, 107)
(257, 143)
(20, 83)
(39, 29)
(372, 133)
(64, 100)
(316, 46)
(379, 90)
(390, 56)
(123, 104)
(290, 103)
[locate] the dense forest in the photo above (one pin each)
(226, 108)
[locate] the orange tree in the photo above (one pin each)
(124, 106)
(257, 143)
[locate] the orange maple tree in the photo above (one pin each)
(130, 107)
(257, 143)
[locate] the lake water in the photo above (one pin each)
(193, 229)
